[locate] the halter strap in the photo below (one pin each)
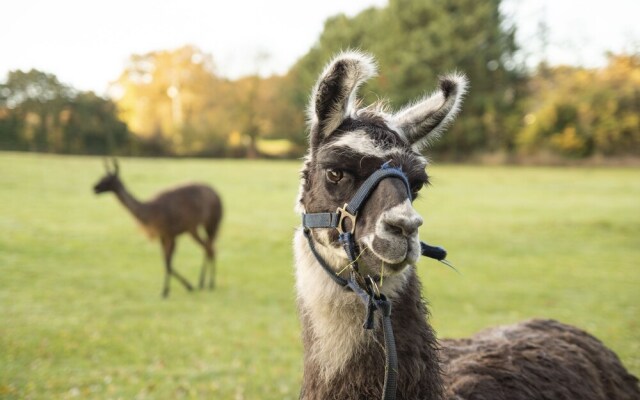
(333, 220)
(370, 184)
(320, 220)
(336, 278)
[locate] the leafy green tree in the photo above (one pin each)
(30, 102)
(91, 126)
(39, 113)
(417, 40)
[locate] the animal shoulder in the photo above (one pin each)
(185, 190)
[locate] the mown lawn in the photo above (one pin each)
(82, 316)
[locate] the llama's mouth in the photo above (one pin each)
(394, 255)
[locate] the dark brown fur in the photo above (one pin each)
(534, 360)
(173, 212)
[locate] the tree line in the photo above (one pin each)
(39, 113)
(173, 102)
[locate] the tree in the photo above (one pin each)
(415, 41)
(30, 103)
(39, 113)
(91, 126)
(175, 97)
(581, 112)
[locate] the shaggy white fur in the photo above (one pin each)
(334, 313)
(424, 112)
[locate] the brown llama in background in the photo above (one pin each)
(170, 213)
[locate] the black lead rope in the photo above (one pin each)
(366, 287)
(378, 302)
(373, 302)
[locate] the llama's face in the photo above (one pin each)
(387, 225)
(348, 144)
(110, 181)
(107, 183)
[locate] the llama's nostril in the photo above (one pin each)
(396, 230)
(405, 226)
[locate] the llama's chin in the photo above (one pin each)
(392, 256)
(375, 264)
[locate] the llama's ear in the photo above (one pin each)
(334, 95)
(430, 116)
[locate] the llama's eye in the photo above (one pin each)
(334, 175)
(415, 188)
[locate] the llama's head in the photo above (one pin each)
(110, 181)
(348, 143)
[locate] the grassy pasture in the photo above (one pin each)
(80, 306)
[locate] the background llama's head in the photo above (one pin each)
(348, 143)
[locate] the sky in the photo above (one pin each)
(86, 43)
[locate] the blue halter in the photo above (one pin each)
(349, 213)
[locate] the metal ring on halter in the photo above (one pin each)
(344, 214)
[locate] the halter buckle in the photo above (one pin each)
(344, 214)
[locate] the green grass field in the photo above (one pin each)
(80, 305)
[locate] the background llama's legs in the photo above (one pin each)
(208, 258)
(169, 246)
(212, 265)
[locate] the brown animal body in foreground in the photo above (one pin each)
(170, 213)
(534, 360)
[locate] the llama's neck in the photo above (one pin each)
(341, 359)
(138, 209)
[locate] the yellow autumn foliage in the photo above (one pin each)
(582, 112)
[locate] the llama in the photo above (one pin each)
(348, 145)
(169, 214)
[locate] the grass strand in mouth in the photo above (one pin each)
(352, 262)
